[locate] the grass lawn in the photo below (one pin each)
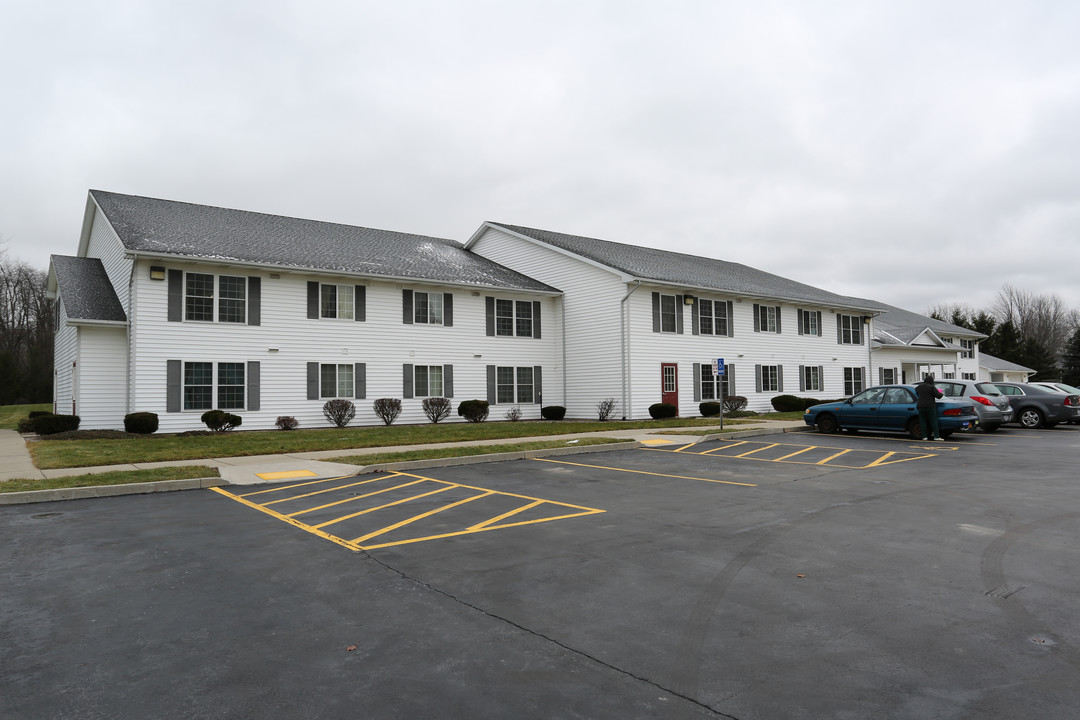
(465, 451)
(10, 415)
(110, 478)
(74, 452)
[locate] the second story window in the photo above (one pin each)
(336, 301)
(428, 308)
(809, 322)
(767, 318)
(849, 330)
(713, 317)
(510, 318)
(668, 314)
(199, 298)
(968, 347)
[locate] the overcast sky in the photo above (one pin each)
(911, 152)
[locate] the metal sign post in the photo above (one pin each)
(718, 370)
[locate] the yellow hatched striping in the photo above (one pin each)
(285, 474)
(496, 522)
(643, 472)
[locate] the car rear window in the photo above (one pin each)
(988, 389)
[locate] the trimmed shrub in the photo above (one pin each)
(710, 408)
(221, 421)
(339, 411)
(51, 424)
(605, 408)
(473, 410)
(24, 425)
(513, 414)
(659, 411)
(141, 423)
(38, 413)
(553, 412)
(437, 408)
(734, 403)
(286, 422)
(387, 409)
(788, 403)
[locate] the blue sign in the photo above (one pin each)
(718, 366)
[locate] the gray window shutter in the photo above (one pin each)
(863, 329)
(778, 320)
(176, 296)
(538, 384)
(730, 320)
(360, 303)
(799, 320)
(489, 316)
(254, 301)
(780, 378)
(697, 381)
(536, 319)
(821, 377)
(406, 308)
(757, 319)
(406, 381)
(839, 330)
(694, 329)
(448, 381)
(819, 329)
(729, 370)
(312, 300)
(253, 382)
(802, 378)
(313, 380)
(656, 312)
(491, 397)
(448, 310)
(172, 385)
(360, 380)
(678, 314)
(757, 378)
(881, 376)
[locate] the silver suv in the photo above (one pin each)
(991, 404)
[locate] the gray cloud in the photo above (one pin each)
(914, 153)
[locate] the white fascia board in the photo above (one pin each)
(623, 277)
(76, 322)
(296, 270)
(863, 310)
(88, 224)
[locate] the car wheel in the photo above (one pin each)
(990, 428)
(1031, 418)
(827, 424)
(914, 429)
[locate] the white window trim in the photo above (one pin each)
(337, 381)
(215, 385)
(342, 291)
(427, 381)
(215, 298)
(811, 372)
(851, 335)
(428, 319)
(714, 305)
(771, 373)
(515, 317)
(517, 385)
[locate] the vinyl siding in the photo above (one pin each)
(590, 313)
(383, 342)
(102, 368)
(65, 352)
(105, 245)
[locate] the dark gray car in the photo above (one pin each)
(991, 404)
(1035, 407)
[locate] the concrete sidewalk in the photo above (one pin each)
(15, 461)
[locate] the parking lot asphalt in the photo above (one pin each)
(788, 576)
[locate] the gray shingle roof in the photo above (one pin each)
(906, 325)
(211, 233)
(691, 271)
(994, 363)
(85, 289)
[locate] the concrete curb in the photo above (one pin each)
(80, 493)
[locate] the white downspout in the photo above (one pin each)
(626, 392)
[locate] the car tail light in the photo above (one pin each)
(1073, 401)
(981, 400)
(954, 411)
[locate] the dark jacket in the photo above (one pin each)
(926, 393)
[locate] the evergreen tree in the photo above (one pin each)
(1004, 342)
(1035, 356)
(1070, 360)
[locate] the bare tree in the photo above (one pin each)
(1043, 318)
(26, 334)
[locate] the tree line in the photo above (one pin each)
(26, 334)
(1036, 330)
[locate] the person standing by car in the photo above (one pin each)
(926, 403)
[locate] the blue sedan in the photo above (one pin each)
(890, 408)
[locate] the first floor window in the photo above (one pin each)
(969, 376)
(811, 378)
(428, 380)
(199, 386)
(514, 385)
(853, 380)
(888, 376)
(711, 388)
(770, 378)
(336, 381)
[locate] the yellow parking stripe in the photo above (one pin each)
(494, 520)
(382, 507)
(279, 516)
(642, 472)
(833, 457)
(751, 452)
(725, 447)
(320, 492)
(354, 498)
(429, 513)
(797, 452)
(279, 488)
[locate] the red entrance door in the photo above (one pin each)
(669, 384)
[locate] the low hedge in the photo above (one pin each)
(553, 412)
(660, 411)
(710, 408)
(141, 423)
(51, 424)
(473, 410)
